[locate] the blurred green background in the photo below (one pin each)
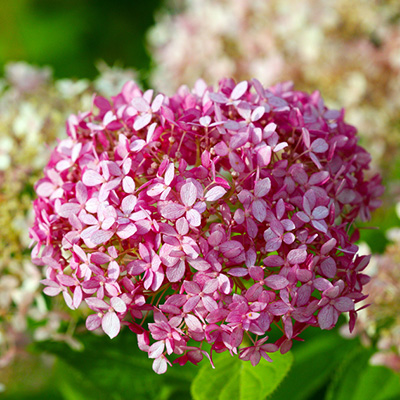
(72, 35)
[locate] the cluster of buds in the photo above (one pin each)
(206, 217)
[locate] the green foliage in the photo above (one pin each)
(115, 370)
(315, 361)
(357, 380)
(233, 379)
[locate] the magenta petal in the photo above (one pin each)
(93, 322)
(328, 267)
(278, 308)
(259, 211)
(276, 282)
(262, 187)
(238, 271)
(191, 304)
(236, 162)
(297, 256)
(344, 304)
(326, 317)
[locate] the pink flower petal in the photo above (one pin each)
(92, 178)
(111, 324)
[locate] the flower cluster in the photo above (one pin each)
(208, 216)
(33, 109)
(347, 49)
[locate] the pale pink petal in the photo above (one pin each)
(276, 282)
(264, 156)
(320, 212)
(182, 226)
(92, 178)
(81, 193)
(160, 365)
(77, 299)
(45, 189)
(221, 149)
(175, 273)
(319, 146)
(169, 174)
(257, 113)
(239, 90)
(126, 231)
(52, 291)
(188, 194)
(172, 210)
(215, 193)
(193, 217)
(111, 324)
(128, 184)
(157, 102)
(141, 121)
(101, 237)
(236, 162)
(140, 104)
(68, 209)
(200, 264)
(193, 323)
(118, 304)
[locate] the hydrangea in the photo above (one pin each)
(33, 109)
(206, 217)
(347, 49)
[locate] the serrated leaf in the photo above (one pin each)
(234, 379)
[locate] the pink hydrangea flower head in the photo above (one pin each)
(226, 213)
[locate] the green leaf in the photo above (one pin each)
(315, 361)
(234, 379)
(358, 380)
(115, 370)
